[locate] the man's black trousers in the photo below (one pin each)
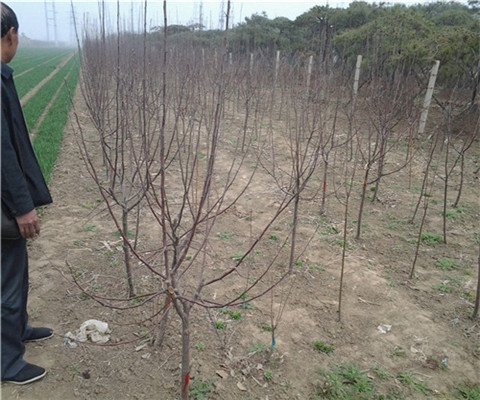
(14, 305)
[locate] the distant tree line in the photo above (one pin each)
(393, 39)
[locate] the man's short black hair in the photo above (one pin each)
(9, 19)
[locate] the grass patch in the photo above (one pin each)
(449, 284)
(268, 376)
(225, 235)
(316, 267)
(266, 328)
(342, 244)
(130, 234)
(90, 228)
(348, 382)
(345, 382)
(393, 226)
(256, 348)
(138, 300)
(455, 282)
(393, 223)
(381, 372)
(455, 214)
(237, 256)
(322, 347)
(445, 264)
(443, 288)
(390, 281)
(199, 389)
(431, 239)
(334, 230)
(220, 325)
(235, 315)
(409, 381)
(467, 391)
(84, 296)
(399, 352)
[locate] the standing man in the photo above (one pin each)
(23, 189)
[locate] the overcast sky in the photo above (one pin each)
(32, 15)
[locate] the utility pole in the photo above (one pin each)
(51, 20)
(222, 15)
(132, 27)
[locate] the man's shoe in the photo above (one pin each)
(28, 374)
(38, 334)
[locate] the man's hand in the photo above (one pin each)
(28, 224)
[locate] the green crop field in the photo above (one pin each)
(29, 57)
(49, 137)
(34, 108)
(46, 112)
(32, 70)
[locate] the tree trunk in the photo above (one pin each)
(362, 202)
(447, 173)
(162, 325)
(344, 251)
(324, 188)
(381, 163)
(126, 253)
(294, 231)
(425, 178)
(462, 172)
(477, 300)
(419, 240)
(185, 353)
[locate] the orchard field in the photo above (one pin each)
(251, 227)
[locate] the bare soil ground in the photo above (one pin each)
(431, 336)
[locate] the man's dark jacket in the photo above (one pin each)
(23, 185)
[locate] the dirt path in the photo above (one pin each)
(34, 91)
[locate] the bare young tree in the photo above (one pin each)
(456, 142)
(350, 169)
(119, 111)
(425, 197)
(303, 126)
(386, 103)
(164, 139)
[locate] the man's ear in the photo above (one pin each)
(9, 35)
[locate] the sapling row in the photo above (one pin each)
(184, 135)
(152, 133)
